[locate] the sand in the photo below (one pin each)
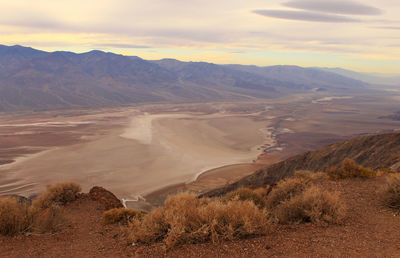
(150, 152)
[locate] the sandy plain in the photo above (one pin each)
(139, 153)
(155, 150)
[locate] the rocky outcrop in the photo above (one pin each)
(105, 197)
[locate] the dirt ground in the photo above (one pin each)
(369, 230)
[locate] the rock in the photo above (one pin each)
(105, 197)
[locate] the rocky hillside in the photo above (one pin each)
(373, 151)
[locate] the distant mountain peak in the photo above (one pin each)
(34, 79)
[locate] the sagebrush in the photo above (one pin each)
(121, 215)
(46, 214)
(350, 169)
(58, 194)
(390, 193)
(284, 190)
(297, 200)
(15, 217)
(187, 219)
(245, 194)
(312, 205)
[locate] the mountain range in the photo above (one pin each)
(373, 78)
(31, 79)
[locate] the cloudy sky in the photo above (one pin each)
(358, 35)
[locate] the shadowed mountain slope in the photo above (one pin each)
(305, 78)
(373, 151)
(34, 79)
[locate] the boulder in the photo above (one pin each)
(105, 197)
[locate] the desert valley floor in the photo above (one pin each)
(138, 150)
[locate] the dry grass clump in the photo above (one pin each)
(312, 205)
(58, 194)
(187, 219)
(262, 191)
(297, 199)
(390, 193)
(350, 169)
(121, 215)
(45, 215)
(308, 175)
(51, 219)
(246, 194)
(285, 190)
(14, 217)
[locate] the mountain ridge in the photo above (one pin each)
(372, 151)
(39, 80)
(373, 78)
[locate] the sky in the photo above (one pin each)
(358, 35)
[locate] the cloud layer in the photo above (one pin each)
(305, 16)
(337, 7)
(302, 32)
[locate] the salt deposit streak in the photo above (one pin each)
(140, 129)
(46, 124)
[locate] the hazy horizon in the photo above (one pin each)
(383, 75)
(354, 35)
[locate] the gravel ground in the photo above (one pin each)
(369, 230)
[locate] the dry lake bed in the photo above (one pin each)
(139, 150)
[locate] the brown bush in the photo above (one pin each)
(285, 190)
(390, 193)
(58, 194)
(45, 214)
(334, 172)
(153, 228)
(186, 219)
(245, 194)
(121, 215)
(14, 217)
(312, 205)
(309, 175)
(51, 219)
(350, 169)
(262, 191)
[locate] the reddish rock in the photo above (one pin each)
(105, 197)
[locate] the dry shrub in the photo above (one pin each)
(51, 219)
(121, 215)
(58, 194)
(350, 169)
(153, 228)
(284, 190)
(334, 172)
(262, 191)
(312, 205)
(390, 193)
(309, 175)
(383, 171)
(246, 194)
(45, 214)
(187, 219)
(14, 217)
